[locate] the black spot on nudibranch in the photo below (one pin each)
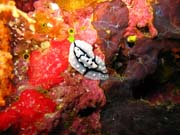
(82, 58)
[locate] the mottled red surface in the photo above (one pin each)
(140, 19)
(46, 66)
(27, 113)
(80, 101)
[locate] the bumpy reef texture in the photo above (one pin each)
(140, 41)
(110, 26)
(49, 96)
(6, 64)
(151, 70)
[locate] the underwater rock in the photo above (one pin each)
(134, 118)
(140, 19)
(144, 59)
(79, 101)
(110, 26)
(167, 18)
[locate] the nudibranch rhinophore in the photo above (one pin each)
(82, 58)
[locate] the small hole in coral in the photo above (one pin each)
(26, 56)
(144, 30)
(71, 31)
(130, 44)
(86, 112)
(44, 24)
(131, 40)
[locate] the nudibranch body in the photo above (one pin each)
(82, 58)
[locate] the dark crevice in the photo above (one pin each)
(143, 29)
(86, 112)
(166, 72)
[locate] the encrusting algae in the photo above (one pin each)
(6, 65)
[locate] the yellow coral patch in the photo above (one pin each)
(132, 39)
(76, 4)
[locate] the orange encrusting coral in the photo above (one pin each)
(6, 65)
(3, 1)
(140, 18)
(76, 4)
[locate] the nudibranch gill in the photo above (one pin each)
(82, 58)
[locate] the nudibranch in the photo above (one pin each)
(82, 58)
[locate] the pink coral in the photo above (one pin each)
(140, 19)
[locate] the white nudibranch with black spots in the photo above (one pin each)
(82, 58)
